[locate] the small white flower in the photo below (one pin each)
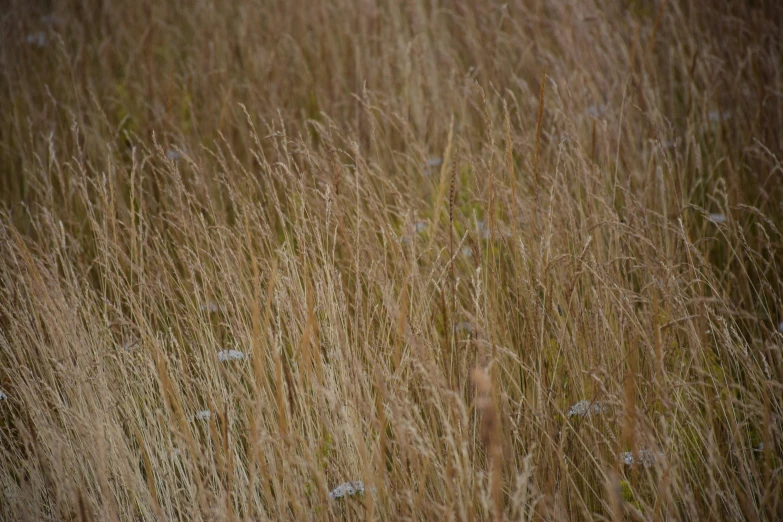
(130, 345)
(211, 307)
(202, 415)
(579, 409)
(716, 218)
(627, 458)
(432, 165)
(716, 116)
(230, 355)
(586, 408)
(37, 39)
(595, 111)
(3, 396)
(464, 326)
(173, 155)
(483, 230)
(644, 458)
(347, 489)
(647, 458)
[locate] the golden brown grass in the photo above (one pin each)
(429, 227)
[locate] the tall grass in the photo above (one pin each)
(253, 251)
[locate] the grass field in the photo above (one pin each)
(478, 260)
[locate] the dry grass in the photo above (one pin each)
(427, 229)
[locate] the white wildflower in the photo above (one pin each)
(648, 458)
(130, 345)
(211, 307)
(716, 116)
(464, 326)
(37, 39)
(202, 415)
(627, 458)
(347, 489)
(586, 408)
(580, 409)
(595, 111)
(230, 355)
(716, 218)
(645, 458)
(483, 230)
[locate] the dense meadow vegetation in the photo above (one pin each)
(409, 260)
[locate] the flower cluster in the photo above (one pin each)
(586, 408)
(203, 415)
(230, 355)
(645, 458)
(347, 489)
